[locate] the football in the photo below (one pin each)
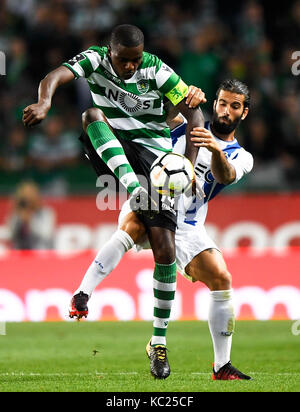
(172, 174)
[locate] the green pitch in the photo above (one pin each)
(110, 357)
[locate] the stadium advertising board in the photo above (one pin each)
(37, 286)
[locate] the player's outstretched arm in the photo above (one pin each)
(35, 113)
(195, 118)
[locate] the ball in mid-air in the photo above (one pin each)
(172, 174)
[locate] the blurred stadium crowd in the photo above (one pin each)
(205, 41)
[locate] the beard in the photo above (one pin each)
(222, 127)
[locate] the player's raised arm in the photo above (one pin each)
(195, 118)
(35, 113)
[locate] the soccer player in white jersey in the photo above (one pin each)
(220, 162)
(127, 130)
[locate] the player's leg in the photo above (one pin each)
(130, 231)
(107, 146)
(162, 242)
(209, 267)
(111, 253)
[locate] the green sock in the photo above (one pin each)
(112, 153)
(164, 286)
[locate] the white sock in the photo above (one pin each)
(221, 323)
(106, 260)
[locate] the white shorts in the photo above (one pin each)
(189, 240)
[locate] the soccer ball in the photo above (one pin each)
(172, 174)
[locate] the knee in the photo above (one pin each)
(135, 229)
(220, 279)
(91, 115)
(164, 255)
(139, 231)
(163, 245)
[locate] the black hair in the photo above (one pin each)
(126, 35)
(235, 86)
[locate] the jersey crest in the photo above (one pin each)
(143, 86)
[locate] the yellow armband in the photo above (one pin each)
(178, 93)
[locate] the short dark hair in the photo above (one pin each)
(235, 86)
(126, 35)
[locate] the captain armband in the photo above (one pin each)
(178, 93)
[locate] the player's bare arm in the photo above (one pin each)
(221, 169)
(194, 119)
(194, 97)
(35, 113)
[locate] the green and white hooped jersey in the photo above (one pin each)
(134, 107)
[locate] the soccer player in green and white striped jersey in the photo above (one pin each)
(132, 107)
(127, 129)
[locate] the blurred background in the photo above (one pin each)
(205, 41)
(48, 188)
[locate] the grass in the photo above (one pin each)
(110, 357)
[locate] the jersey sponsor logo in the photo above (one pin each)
(130, 102)
(143, 86)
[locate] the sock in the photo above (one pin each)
(106, 260)
(164, 285)
(112, 153)
(221, 323)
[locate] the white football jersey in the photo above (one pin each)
(193, 212)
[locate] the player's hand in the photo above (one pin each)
(35, 113)
(194, 97)
(203, 138)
